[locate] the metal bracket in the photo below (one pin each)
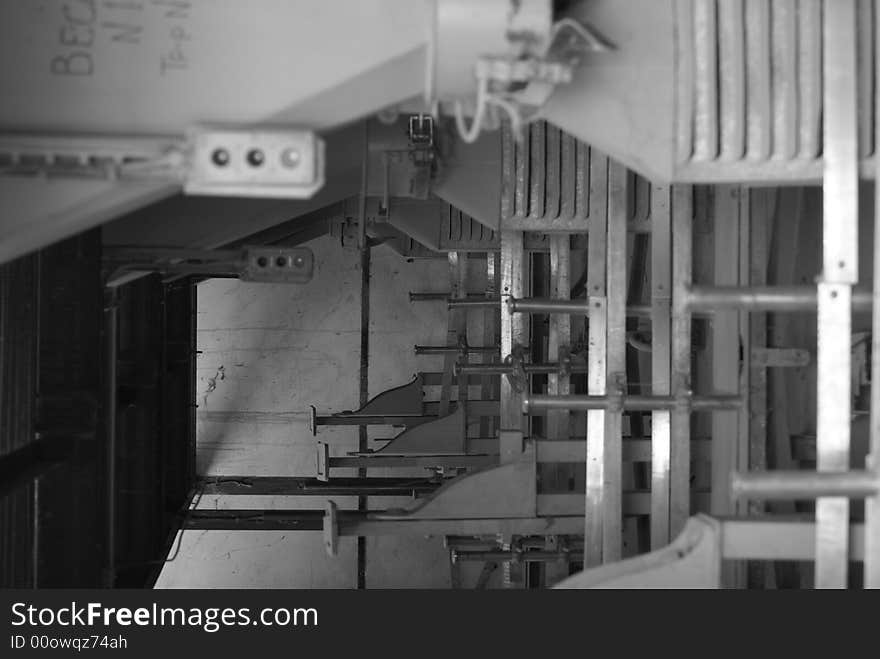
(331, 529)
(286, 265)
(279, 162)
(322, 461)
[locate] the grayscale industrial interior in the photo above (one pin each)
(453, 294)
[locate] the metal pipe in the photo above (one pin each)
(504, 369)
(502, 556)
(535, 305)
(473, 303)
(630, 403)
(442, 350)
(787, 485)
(445, 297)
(764, 298)
(289, 485)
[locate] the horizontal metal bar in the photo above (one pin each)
(633, 449)
(442, 350)
(474, 303)
(374, 420)
(484, 543)
(392, 461)
(504, 369)
(780, 539)
(512, 556)
(779, 485)
(432, 408)
(444, 297)
(635, 503)
(254, 520)
(354, 523)
(630, 403)
(559, 525)
(764, 298)
(537, 305)
(755, 539)
(285, 485)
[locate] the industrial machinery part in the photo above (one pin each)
(692, 560)
(280, 162)
(278, 265)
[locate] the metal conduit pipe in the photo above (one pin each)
(788, 485)
(764, 298)
(631, 403)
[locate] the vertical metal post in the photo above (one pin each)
(616, 290)
(661, 299)
(363, 382)
(839, 273)
(558, 344)
(559, 338)
(513, 336)
(753, 272)
(725, 347)
(680, 419)
(490, 338)
(457, 322)
(596, 381)
(872, 504)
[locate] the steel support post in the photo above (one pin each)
(755, 246)
(618, 210)
(725, 353)
(661, 307)
(514, 336)
(839, 273)
(558, 346)
(455, 331)
(680, 418)
(872, 504)
(595, 494)
(488, 386)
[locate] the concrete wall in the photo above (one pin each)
(267, 353)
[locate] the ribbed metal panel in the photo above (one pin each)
(460, 232)
(749, 87)
(551, 182)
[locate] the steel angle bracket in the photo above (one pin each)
(405, 400)
(271, 162)
(445, 436)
